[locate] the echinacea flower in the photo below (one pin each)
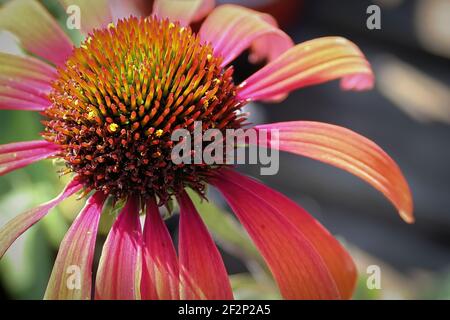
(109, 107)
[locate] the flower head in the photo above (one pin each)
(121, 95)
(109, 108)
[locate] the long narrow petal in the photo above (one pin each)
(309, 63)
(18, 225)
(17, 98)
(28, 67)
(94, 14)
(37, 30)
(119, 270)
(349, 151)
(200, 262)
(184, 11)
(232, 29)
(24, 83)
(296, 264)
(336, 258)
(71, 278)
(160, 279)
(18, 155)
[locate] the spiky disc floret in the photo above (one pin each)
(121, 95)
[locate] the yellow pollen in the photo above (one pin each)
(91, 115)
(159, 133)
(111, 25)
(113, 127)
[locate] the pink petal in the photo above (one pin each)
(232, 29)
(183, 11)
(312, 62)
(17, 155)
(18, 225)
(119, 270)
(201, 265)
(295, 262)
(28, 67)
(19, 97)
(77, 250)
(160, 279)
(123, 9)
(37, 30)
(349, 151)
(24, 83)
(8, 103)
(94, 14)
(336, 258)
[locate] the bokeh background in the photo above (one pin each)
(407, 114)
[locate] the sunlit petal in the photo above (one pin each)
(232, 29)
(18, 225)
(312, 62)
(200, 262)
(349, 151)
(76, 254)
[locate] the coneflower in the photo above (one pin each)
(109, 108)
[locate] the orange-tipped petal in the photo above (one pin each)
(297, 266)
(75, 255)
(183, 11)
(232, 29)
(37, 30)
(336, 258)
(312, 62)
(18, 225)
(119, 270)
(349, 151)
(201, 265)
(160, 279)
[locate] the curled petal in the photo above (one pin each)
(336, 258)
(160, 279)
(18, 225)
(75, 255)
(232, 29)
(312, 62)
(184, 11)
(119, 270)
(201, 265)
(295, 263)
(17, 155)
(349, 151)
(38, 32)
(94, 14)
